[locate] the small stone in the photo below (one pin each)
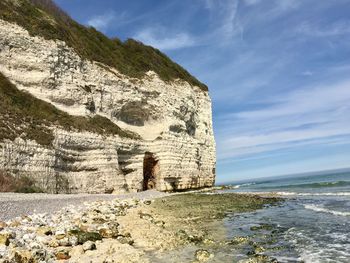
(261, 227)
(43, 239)
(159, 223)
(239, 240)
(39, 254)
(203, 255)
(110, 231)
(15, 223)
(27, 218)
(89, 245)
(62, 254)
(106, 233)
(34, 245)
(259, 249)
(22, 256)
(17, 243)
(5, 239)
(44, 230)
(125, 240)
(276, 248)
(64, 242)
(2, 225)
(194, 239)
(84, 227)
(262, 258)
(99, 219)
(29, 237)
(3, 250)
(207, 241)
(60, 234)
(147, 202)
(146, 216)
(73, 240)
(76, 251)
(85, 236)
(53, 243)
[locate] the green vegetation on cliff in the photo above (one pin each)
(132, 58)
(21, 114)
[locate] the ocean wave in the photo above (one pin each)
(243, 185)
(325, 210)
(313, 185)
(329, 184)
(314, 194)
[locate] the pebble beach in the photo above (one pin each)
(142, 227)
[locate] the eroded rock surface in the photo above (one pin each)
(173, 120)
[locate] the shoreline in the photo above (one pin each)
(184, 227)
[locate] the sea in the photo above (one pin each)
(311, 226)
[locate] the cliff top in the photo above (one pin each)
(132, 58)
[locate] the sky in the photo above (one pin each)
(278, 73)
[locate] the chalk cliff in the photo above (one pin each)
(96, 128)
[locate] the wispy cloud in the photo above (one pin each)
(319, 99)
(251, 2)
(225, 23)
(316, 30)
(160, 39)
(230, 25)
(285, 5)
(102, 22)
(224, 26)
(307, 73)
(304, 117)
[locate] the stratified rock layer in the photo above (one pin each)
(173, 120)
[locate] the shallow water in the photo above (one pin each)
(313, 225)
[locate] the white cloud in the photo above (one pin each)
(251, 2)
(319, 99)
(279, 8)
(102, 22)
(223, 27)
(309, 116)
(284, 5)
(161, 39)
(307, 73)
(225, 22)
(229, 24)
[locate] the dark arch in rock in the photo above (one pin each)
(150, 171)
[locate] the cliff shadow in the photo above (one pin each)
(150, 171)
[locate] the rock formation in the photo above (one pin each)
(159, 130)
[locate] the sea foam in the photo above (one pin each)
(325, 210)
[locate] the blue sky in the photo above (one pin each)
(278, 73)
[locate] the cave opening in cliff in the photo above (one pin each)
(150, 171)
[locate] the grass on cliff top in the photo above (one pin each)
(132, 58)
(21, 114)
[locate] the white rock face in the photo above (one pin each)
(174, 120)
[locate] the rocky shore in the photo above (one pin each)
(177, 228)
